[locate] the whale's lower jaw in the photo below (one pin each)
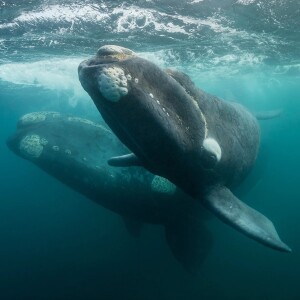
(245, 219)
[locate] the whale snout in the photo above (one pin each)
(103, 73)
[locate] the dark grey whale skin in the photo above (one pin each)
(235, 129)
(164, 120)
(76, 150)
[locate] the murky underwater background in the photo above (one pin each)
(55, 243)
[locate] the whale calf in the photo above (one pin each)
(75, 151)
(203, 145)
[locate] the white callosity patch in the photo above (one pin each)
(212, 146)
(31, 146)
(36, 117)
(112, 83)
(162, 185)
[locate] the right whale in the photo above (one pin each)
(202, 144)
(75, 151)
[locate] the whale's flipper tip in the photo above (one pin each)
(245, 219)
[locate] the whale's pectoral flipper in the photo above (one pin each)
(237, 214)
(127, 160)
(189, 240)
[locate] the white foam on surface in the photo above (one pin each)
(133, 18)
(121, 19)
(60, 13)
(249, 59)
(60, 19)
(57, 74)
(158, 57)
(226, 65)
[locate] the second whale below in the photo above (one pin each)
(75, 151)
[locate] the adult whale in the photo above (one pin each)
(75, 151)
(202, 144)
